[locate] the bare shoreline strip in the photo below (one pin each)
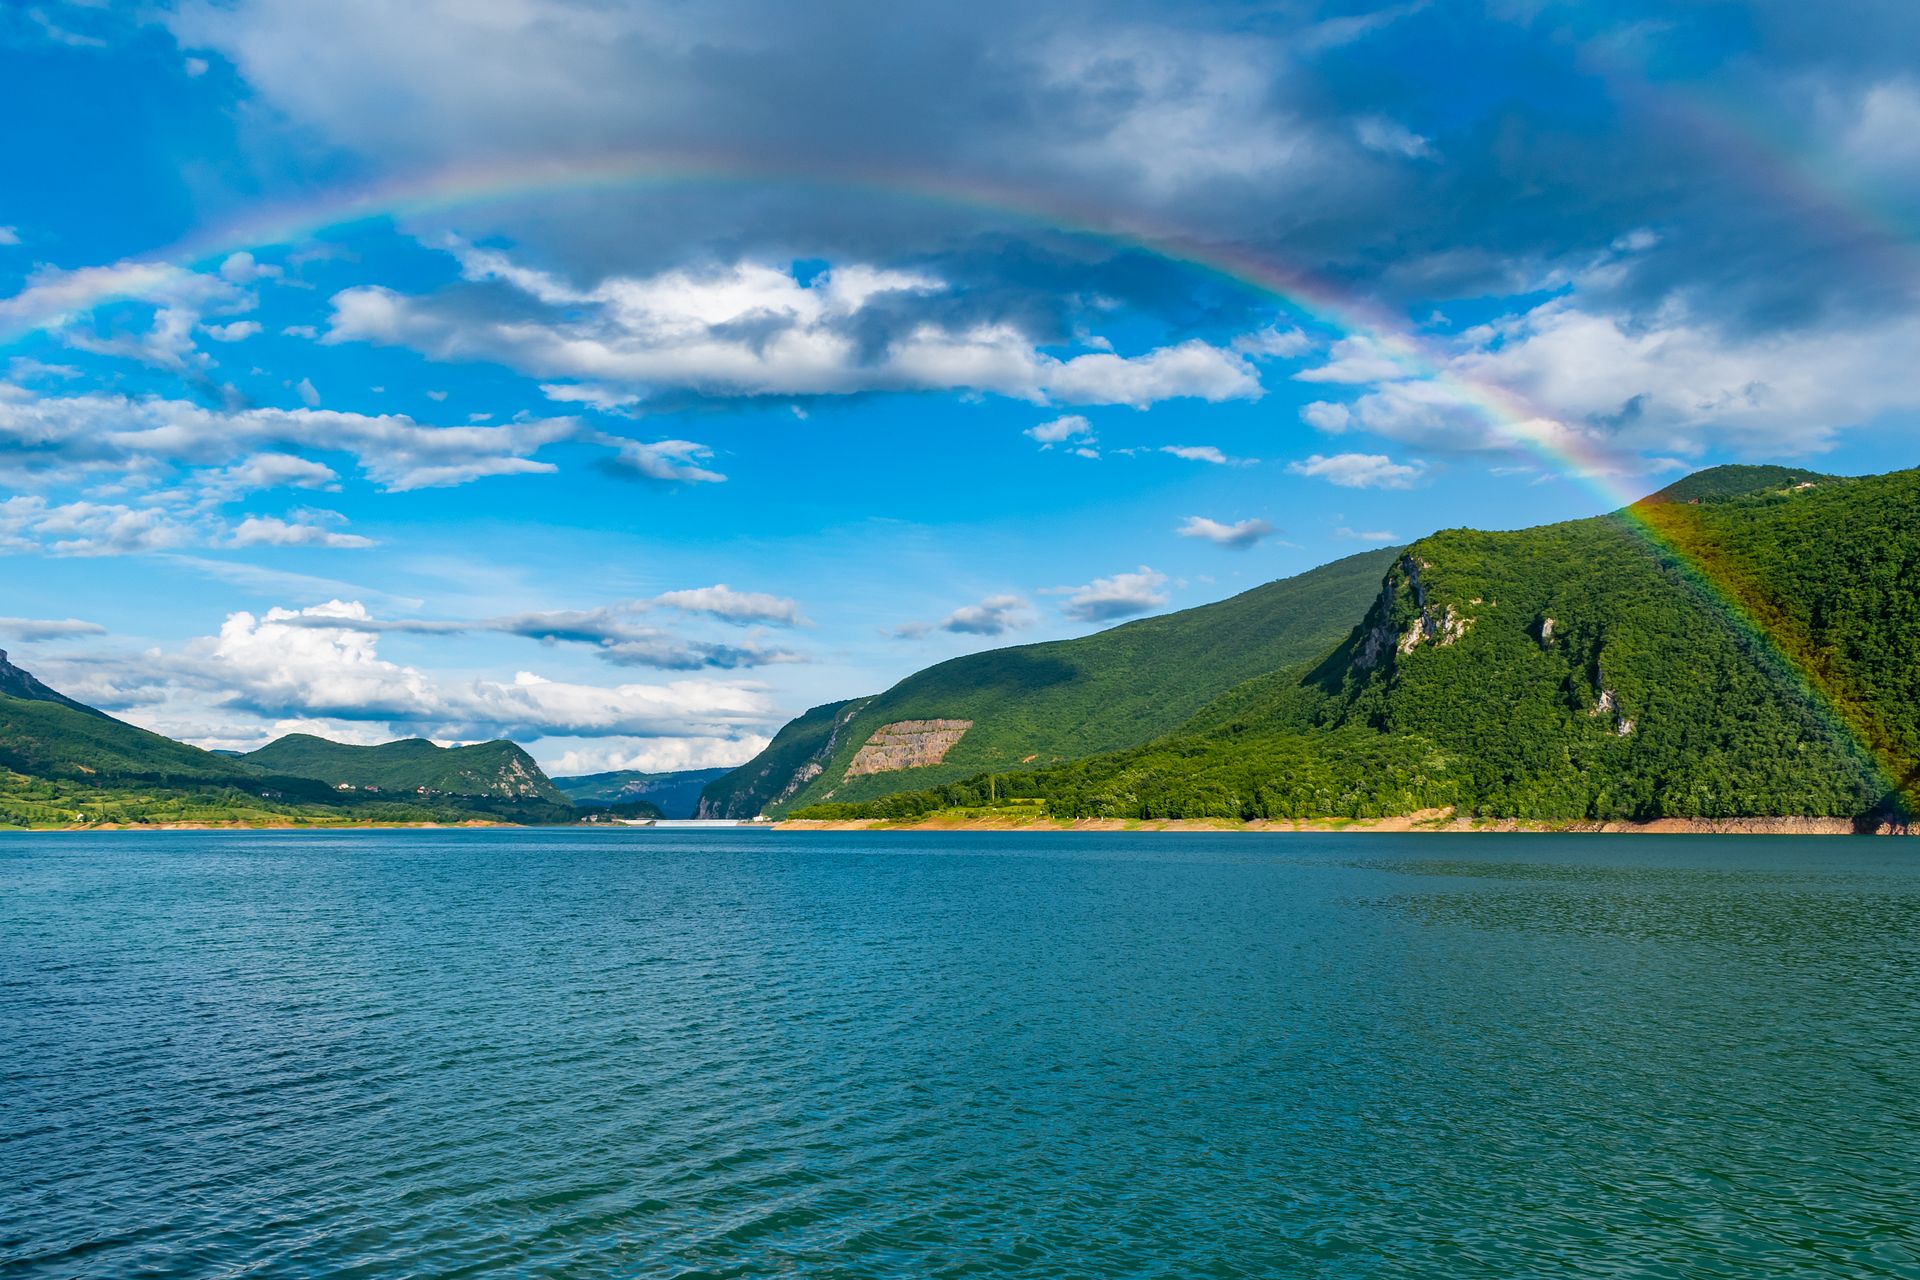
(1402, 824)
(1429, 822)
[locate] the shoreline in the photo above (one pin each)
(1441, 822)
(1430, 822)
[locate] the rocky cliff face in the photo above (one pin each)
(780, 774)
(1404, 597)
(907, 744)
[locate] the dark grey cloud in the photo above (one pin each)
(1409, 152)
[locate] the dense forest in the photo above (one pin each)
(1745, 645)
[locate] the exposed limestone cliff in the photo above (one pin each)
(907, 744)
(1430, 622)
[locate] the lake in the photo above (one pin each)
(750, 1053)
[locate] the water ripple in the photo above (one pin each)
(666, 1054)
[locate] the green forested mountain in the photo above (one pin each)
(794, 758)
(1037, 704)
(499, 770)
(675, 794)
(1756, 653)
(62, 762)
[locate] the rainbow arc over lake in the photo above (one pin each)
(1514, 422)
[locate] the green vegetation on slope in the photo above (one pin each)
(45, 738)
(499, 770)
(63, 763)
(1040, 704)
(1576, 671)
(794, 758)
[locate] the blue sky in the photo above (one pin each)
(625, 378)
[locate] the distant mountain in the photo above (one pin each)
(1037, 704)
(495, 770)
(675, 794)
(63, 762)
(1758, 657)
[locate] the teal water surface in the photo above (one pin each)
(634, 1053)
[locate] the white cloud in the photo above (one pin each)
(89, 528)
(1273, 342)
(1206, 453)
(1325, 415)
(269, 531)
(9, 236)
(240, 268)
(612, 630)
(1240, 535)
(751, 329)
(1562, 380)
(1356, 359)
(1121, 596)
(993, 616)
(1360, 470)
(52, 296)
(275, 667)
(238, 331)
(49, 628)
(272, 471)
(666, 461)
(1390, 137)
(308, 395)
(657, 755)
(1365, 535)
(108, 434)
(723, 602)
(1059, 430)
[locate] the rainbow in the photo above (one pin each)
(62, 297)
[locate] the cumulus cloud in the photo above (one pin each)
(1273, 343)
(1359, 470)
(658, 755)
(270, 531)
(723, 602)
(49, 628)
(89, 528)
(1239, 535)
(237, 331)
(1358, 359)
(754, 329)
(109, 434)
(1603, 386)
(994, 616)
(1059, 430)
(281, 667)
(1121, 596)
(662, 461)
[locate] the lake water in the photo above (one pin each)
(607, 1053)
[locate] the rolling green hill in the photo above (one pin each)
(1757, 657)
(1042, 703)
(62, 763)
(674, 794)
(495, 770)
